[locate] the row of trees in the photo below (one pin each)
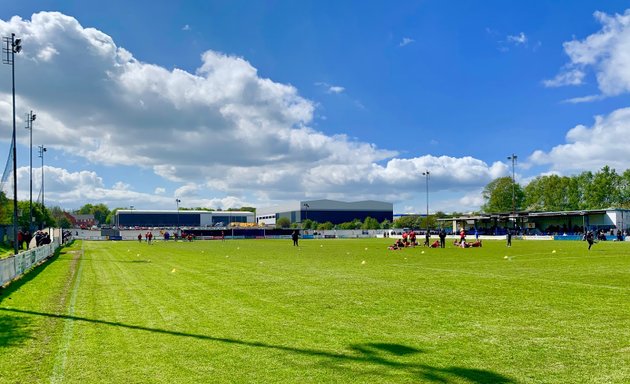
(602, 189)
(41, 215)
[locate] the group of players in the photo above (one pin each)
(409, 240)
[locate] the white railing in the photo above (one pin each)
(15, 266)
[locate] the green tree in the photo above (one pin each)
(581, 183)
(370, 223)
(409, 221)
(624, 189)
(64, 222)
(56, 213)
(24, 215)
(603, 191)
(424, 221)
(41, 216)
(347, 225)
(111, 216)
(551, 193)
(6, 210)
(85, 210)
(100, 212)
(307, 224)
(386, 224)
(498, 195)
(326, 226)
(283, 222)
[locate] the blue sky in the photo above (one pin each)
(228, 103)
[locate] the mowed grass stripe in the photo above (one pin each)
(68, 327)
(338, 311)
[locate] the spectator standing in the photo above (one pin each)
(442, 236)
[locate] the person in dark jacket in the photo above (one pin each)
(442, 236)
(590, 239)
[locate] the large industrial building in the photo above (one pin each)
(336, 212)
(129, 218)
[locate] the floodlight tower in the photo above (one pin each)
(306, 206)
(427, 173)
(42, 149)
(513, 158)
(13, 46)
(30, 117)
(177, 201)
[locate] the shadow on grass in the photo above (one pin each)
(380, 354)
(14, 330)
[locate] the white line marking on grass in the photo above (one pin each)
(62, 355)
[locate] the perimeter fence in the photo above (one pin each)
(15, 266)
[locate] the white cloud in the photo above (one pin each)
(471, 200)
(47, 53)
(75, 189)
(584, 99)
(120, 186)
(331, 88)
(406, 41)
(589, 148)
(159, 191)
(336, 89)
(570, 77)
(504, 43)
(605, 51)
(186, 27)
(220, 131)
(519, 39)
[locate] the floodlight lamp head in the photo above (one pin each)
(17, 45)
(33, 117)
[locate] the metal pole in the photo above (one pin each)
(29, 125)
(427, 173)
(13, 46)
(177, 201)
(513, 158)
(15, 205)
(42, 149)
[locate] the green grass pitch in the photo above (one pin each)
(329, 311)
